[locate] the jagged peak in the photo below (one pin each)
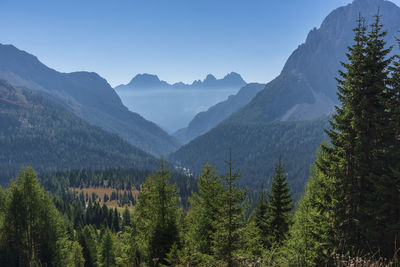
(234, 76)
(210, 77)
(145, 77)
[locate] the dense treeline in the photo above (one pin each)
(349, 214)
(64, 231)
(59, 182)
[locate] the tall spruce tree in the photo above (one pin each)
(341, 165)
(279, 205)
(228, 227)
(107, 250)
(126, 217)
(88, 240)
(156, 217)
(362, 140)
(205, 209)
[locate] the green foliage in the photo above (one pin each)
(261, 218)
(253, 245)
(107, 250)
(88, 240)
(32, 230)
(205, 209)
(227, 238)
(279, 206)
(77, 259)
(156, 217)
(126, 217)
(310, 237)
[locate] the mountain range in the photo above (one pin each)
(296, 102)
(150, 81)
(87, 95)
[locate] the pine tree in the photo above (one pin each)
(107, 250)
(261, 217)
(32, 231)
(88, 240)
(156, 217)
(77, 259)
(253, 245)
(227, 236)
(205, 208)
(279, 205)
(359, 159)
(310, 240)
(126, 217)
(341, 164)
(115, 220)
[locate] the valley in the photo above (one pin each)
(226, 170)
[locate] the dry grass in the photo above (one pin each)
(362, 261)
(101, 191)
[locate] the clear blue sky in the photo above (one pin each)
(179, 40)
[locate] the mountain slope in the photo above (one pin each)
(35, 131)
(304, 91)
(87, 95)
(256, 148)
(306, 87)
(205, 121)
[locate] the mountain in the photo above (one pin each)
(306, 87)
(144, 81)
(87, 95)
(151, 81)
(206, 120)
(35, 131)
(173, 106)
(285, 117)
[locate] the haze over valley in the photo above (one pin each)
(180, 102)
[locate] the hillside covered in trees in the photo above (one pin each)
(36, 131)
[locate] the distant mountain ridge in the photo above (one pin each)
(35, 131)
(151, 81)
(287, 117)
(87, 95)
